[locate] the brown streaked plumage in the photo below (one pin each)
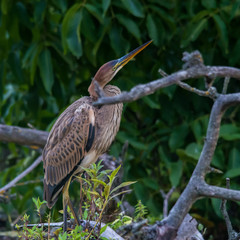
(81, 134)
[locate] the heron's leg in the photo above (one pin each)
(65, 210)
(67, 201)
(76, 218)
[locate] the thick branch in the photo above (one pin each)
(23, 136)
(197, 187)
(149, 88)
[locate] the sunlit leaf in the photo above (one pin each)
(103, 229)
(124, 184)
(99, 181)
(120, 193)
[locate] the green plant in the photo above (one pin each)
(140, 211)
(96, 191)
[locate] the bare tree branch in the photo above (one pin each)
(22, 175)
(23, 136)
(166, 197)
(149, 88)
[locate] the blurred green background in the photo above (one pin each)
(50, 50)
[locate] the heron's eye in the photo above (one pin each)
(114, 68)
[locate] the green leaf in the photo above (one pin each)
(119, 44)
(114, 173)
(235, 54)
(216, 206)
(178, 136)
(175, 172)
(152, 29)
(193, 150)
(124, 184)
(229, 132)
(198, 28)
(235, 172)
(218, 159)
(151, 183)
(152, 104)
(234, 158)
(235, 8)
(209, 4)
(200, 15)
(88, 28)
(197, 130)
(71, 30)
(130, 25)
(99, 181)
(46, 69)
(94, 11)
(105, 6)
(193, 31)
(134, 7)
(15, 65)
(167, 19)
(103, 229)
(106, 191)
(1, 81)
(120, 193)
(94, 193)
(223, 33)
(4, 6)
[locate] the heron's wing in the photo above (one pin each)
(70, 139)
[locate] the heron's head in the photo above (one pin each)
(108, 70)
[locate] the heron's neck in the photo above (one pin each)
(110, 90)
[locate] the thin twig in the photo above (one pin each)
(22, 175)
(194, 90)
(225, 84)
(166, 198)
(232, 235)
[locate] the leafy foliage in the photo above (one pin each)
(51, 49)
(96, 194)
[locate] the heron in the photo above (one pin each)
(81, 134)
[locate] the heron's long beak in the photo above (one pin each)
(125, 59)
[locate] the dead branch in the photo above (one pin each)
(151, 87)
(22, 175)
(166, 197)
(232, 235)
(23, 136)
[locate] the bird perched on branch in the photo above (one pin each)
(81, 134)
